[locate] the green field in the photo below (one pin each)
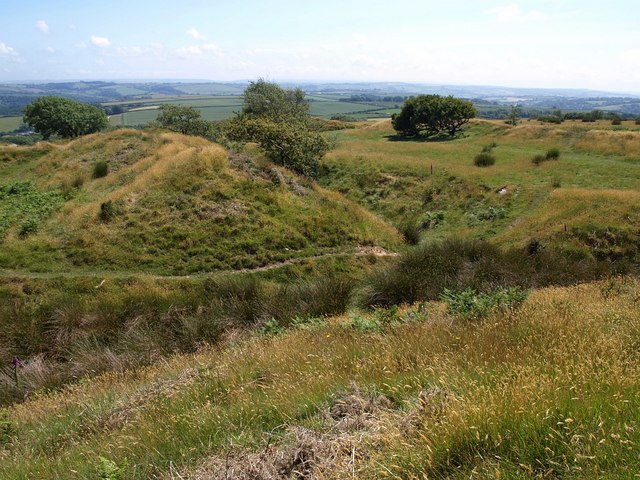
(8, 124)
(215, 108)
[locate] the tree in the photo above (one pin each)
(513, 116)
(277, 120)
(64, 117)
(289, 144)
(185, 120)
(269, 100)
(433, 114)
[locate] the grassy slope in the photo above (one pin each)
(598, 166)
(549, 390)
(179, 206)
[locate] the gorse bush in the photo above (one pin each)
(484, 160)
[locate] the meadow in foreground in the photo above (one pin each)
(546, 388)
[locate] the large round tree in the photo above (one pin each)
(64, 117)
(433, 114)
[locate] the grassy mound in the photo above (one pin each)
(166, 204)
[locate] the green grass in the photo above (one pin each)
(8, 124)
(395, 180)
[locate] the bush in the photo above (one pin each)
(100, 169)
(27, 227)
(616, 121)
(107, 211)
(484, 160)
(424, 272)
(638, 121)
(552, 154)
(538, 159)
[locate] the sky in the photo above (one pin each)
(521, 43)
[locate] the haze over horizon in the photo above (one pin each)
(535, 44)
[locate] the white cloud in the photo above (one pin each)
(50, 50)
(197, 50)
(513, 12)
(102, 42)
(7, 51)
(42, 26)
(195, 34)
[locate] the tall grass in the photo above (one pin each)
(425, 271)
(66, 329)
(545, 390)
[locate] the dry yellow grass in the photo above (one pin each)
(608, 142)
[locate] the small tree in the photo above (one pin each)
(433, 114)
(185, 120)
(277, 120)
(64, 117)
(269, 100)
(513, 118)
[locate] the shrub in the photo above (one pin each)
(100, 169)
(472, 305)
(484, 160)
(424, 272)
(107, 211)
(552, 154)
(616, 121)
(28, 226)
(638, 121)
(538, 159)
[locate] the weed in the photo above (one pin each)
(484, 160)
(109, 470)
(7, 427)
(27, 227)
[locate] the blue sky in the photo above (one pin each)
(544, 43)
